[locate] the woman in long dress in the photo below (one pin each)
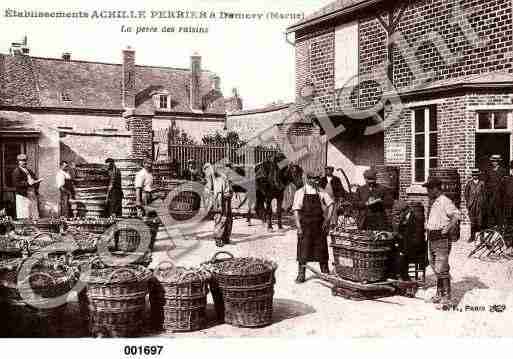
(220, 191)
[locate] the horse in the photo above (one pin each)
(271, 182)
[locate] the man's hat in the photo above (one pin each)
(330, 168)
(109, 160)
(476, 172)
(191, 161)
(495, 158)
(21, 157)
(370, 174)
(433, 182)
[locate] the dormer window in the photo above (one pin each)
(162, 101)
(65, 96)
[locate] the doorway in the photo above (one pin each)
(488, 144)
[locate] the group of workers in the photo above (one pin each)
(26, 186)
(489, 200)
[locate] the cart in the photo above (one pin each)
(367, 291)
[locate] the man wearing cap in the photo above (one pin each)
(442, 226)
(475, 199)
(312, 223)
(371, 200)
(26, 186)
(494, 187)
(144, 186)
(333, 186)
(114, 192)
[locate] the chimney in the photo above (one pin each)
(195, 81)
(66, 56)
(217, 83)
(128, 78)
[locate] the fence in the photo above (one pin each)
(245, 157)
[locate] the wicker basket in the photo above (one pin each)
(10, 247)
(362, 239)
(114, 299)
(92, 225)
(178, 298)
(360, 264)
(243, 297)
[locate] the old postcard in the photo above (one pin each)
(228, 169)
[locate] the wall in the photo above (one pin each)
(249, 124)
(195, 128)
(492, 19)
(354, 155)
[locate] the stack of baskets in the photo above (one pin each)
(361, 256)
(91, 183)
(114, 299)
(243, 290)
(128, 168)
(184, 204)
(178, 298)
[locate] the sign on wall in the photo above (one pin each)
(395, 152)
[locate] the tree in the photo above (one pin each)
(177, 136)
(231, 138)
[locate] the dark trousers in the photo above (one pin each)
(65, 205)
(439, 248)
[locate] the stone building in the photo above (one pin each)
(415, 84)
(57, 109)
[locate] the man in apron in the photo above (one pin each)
(494, 187)
(26, 185)
(333, 186)
(67, 190)
(144, 186)
(312, 225)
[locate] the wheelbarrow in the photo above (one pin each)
(367, 291)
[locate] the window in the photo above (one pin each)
(163, 101)
(346, 54)
(425, 142)
(65, 96)
(492, 121)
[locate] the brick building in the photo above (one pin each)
(439, 72)
(80, 111)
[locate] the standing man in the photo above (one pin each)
(493, 186)
(219, 189)
(114, 192)
(312, 225)
(144, 186)
(333, 186)
(371, 200)
(442, 226)
(26, 185)
(66, 188)
(475, 198)
(508, 197)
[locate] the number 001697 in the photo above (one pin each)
(143, 349)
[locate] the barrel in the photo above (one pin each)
(90, 192)
(90, 175)
(451, 185)
(91, 207)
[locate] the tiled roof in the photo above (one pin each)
(43, 82)
(488, 79)
(332, 8)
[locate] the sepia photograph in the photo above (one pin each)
(234, 169)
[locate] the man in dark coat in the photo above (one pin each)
(371, 200)
(494, 187)
(508, 197)
(475, 199)
(114, 192)
(192, 173)
(333, 186)
(26, 186)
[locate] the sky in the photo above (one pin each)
(251, 55)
